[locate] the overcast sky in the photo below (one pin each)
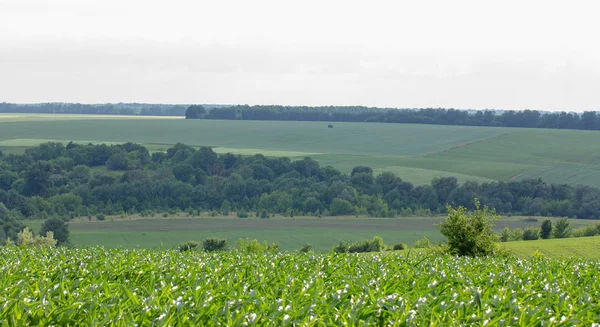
(464, 54)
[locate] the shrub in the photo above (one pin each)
(254, 246)
(470, 233)
(306, 248)
(400, 246)
(562, 228)
(531, 233)
(505, 235)
(546, 229)
(422, 243)
(187, 246)
(242, 214)
(585, 231)
(264, 214)
(100, 217)
(341, 247)
(214, 244)
(27, 238)
(374, 245)
(516, 234)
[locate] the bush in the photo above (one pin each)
(214, 244)
(516, 234)
(100, 217)
(400, 246)
(531, 233)
(306, 248)
(505, 235)
(422, 243)
(242, 214)
(470, 233)
(254, 246)
(562, 228)
(27, 238)
(546, 229)
(374, 245)
(187, 246)
(264, 214)
(341, 247)
(585, 231)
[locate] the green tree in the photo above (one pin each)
(195, 112)
(470, 233)
(562, 229)
(340, 207)
(59, 227)
(546, 229)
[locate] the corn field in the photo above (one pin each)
(99, 287)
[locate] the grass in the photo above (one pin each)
(580, 247)
(417, 153)
(98, 287)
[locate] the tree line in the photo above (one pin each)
(142, 109)
(589, 120)
(56, 180)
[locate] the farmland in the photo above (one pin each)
(416, 153)
(94, 286)
(289, 233)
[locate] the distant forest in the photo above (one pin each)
(589, 120)
(56, 180)
(141, 109)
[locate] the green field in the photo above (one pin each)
(289, 233)
(416, 153)
(122, 287)
(580, 247)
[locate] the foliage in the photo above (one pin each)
(531, 233)
(546, 229)
(41, 183)
(27, 238)
(254, 246)
(150, 288)
(188, 246)
(214, 244)
(422, 243)
(341, 247)
(400, 246)
(58, 227)
(562, 228)
(242, 214)
(100, 217)
(306, 248)
(374, 245)
(470, 233)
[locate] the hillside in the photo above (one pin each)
(417, 153)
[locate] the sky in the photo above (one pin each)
(531, 54)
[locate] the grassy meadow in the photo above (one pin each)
(416, 153)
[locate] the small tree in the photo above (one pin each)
(562, 228)
(546, 229)
(57, 226)
(470, 233)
